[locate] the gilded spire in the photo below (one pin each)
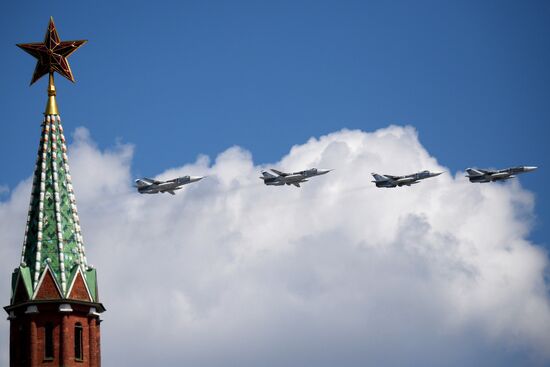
(51, 106)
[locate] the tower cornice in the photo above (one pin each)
(79, 305)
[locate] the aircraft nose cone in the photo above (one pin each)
(433, 174)
(323, 171)
(196, 178)
(530, 168)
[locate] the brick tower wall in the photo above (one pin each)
(28, 333)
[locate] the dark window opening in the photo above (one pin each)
(22, 345)
(78, 354)
(48, 341)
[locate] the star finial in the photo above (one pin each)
(52, 54)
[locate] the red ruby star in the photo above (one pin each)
(52, 54)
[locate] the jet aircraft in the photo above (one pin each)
(149, 186)
(295, 178)
(490, 175)
(408, 180)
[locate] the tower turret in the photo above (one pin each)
(54, 307)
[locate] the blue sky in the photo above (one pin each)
(181, 78)
(471, 76)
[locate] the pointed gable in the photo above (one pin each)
(21, 294)
(47, 288)
(21, 289)
(79, 290)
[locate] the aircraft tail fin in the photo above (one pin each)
(283, 174)
(266, 174)
(473, 172)
(141, 183)
(378, 177)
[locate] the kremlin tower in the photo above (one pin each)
(54, 307)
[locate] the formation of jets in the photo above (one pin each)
(150, 186)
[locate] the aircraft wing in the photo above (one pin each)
(171, 192)
(151, 180)
(406, 181)
(283, 174)
(501, 175)
(393, 177)
(297, 184)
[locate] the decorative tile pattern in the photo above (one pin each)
(53, 237)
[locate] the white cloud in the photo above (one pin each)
(230, 272)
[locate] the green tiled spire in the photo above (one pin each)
(52, 237)
(53, 262)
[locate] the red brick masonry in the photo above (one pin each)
(28, 333)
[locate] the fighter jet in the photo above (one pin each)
(408, 180)
(490, 175)
(149, 186)
(295, 178)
